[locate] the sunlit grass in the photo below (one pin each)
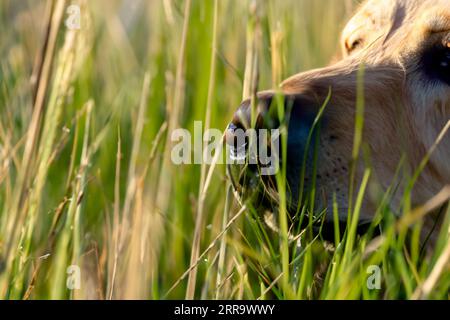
(86, 177)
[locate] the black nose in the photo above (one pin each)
(298, 116)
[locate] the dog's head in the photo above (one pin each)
(404, 46)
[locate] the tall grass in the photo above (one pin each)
(85, 171)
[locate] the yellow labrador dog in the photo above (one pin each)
(404, 46)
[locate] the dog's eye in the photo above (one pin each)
(437, 63)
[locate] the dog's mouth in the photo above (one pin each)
(248, 181)
(257, 156)
(308, 184)
(260, 192)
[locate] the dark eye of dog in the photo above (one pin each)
(436, 62)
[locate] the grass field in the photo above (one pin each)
(85, 173)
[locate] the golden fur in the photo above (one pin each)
(404, 110)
